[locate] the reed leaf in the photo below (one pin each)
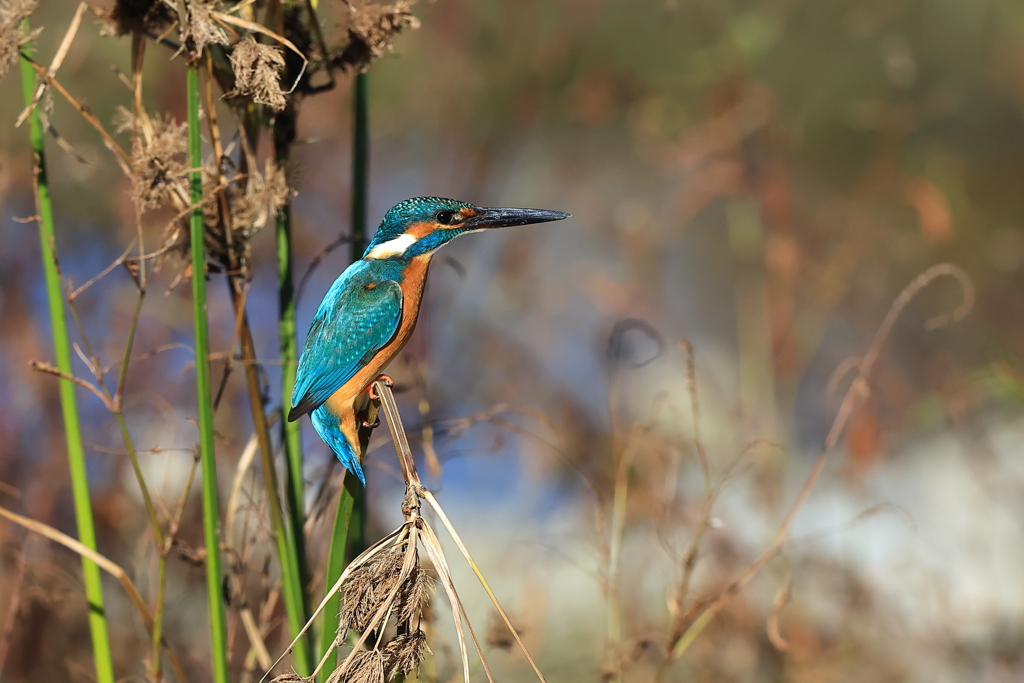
(211, 527)
(69, 407)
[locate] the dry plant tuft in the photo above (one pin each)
(257, 70)
(367, 667)
(387, 585)
(12, 34)
(404, 654)
(368, 588)
(140, 16)
(158, 156)
(372, 30)
(291, 678)
(253, 205)
(199, 28)
(415, 594)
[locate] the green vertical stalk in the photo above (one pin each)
(350, 519)
(69, 408)
(284, 135)
(335, 566)
(211, 512)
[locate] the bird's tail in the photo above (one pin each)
(331, 429)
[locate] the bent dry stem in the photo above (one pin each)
(69, 408)
(376, 587)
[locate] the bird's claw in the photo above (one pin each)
(372, 393)
(376, 423)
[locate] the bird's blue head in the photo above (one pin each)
(423, 224)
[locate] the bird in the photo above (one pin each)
(370, 311)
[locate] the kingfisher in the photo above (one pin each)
(370, 311)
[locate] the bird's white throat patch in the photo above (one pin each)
(395, 247)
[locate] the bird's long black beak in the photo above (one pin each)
(504, 218)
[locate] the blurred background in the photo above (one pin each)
(759, 179)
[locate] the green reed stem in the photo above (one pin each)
(69, 408)
(349, 531)
(336, 561)
(284, 136)
(211, 513)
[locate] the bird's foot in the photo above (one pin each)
(372, 393)
(376, 423)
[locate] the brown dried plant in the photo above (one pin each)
(404, 653)
(199, 28)
(159, 163)
(371, 32)
(257, 70)
(140, 16)
(388, 586)
(291, 678)
(252, 206)
(12, 33)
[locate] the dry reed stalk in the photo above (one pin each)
(685, 630)
(387, 584)
(103, 563)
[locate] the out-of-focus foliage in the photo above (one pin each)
(759, 178)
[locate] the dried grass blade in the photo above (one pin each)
(58, 59)
(437, 557)
(244, 463)
(104, 563)
(123, 158)
(447, 576)
(429, 497)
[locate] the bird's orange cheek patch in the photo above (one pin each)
(420, 230)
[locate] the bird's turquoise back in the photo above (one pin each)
(356, 319)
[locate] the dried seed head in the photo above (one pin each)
(265, 194)
(12, 35)
(140, 16)
(292, 678)
(404, 654)
(257, 70)
(372, 30)
(199, 28)
(369, 586)
(367, 666)
(414, 594)
(158, 156)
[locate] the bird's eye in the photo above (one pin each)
(445, 217)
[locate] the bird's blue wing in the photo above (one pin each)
(357, 318)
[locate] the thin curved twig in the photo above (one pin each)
(857, 392)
